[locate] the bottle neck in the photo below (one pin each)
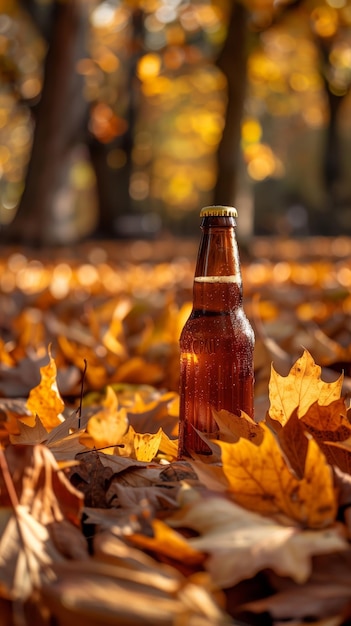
(218, 250)
(218, 261)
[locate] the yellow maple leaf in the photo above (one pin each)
(260, 480)
(106, 428)
(44, 400)
(302, 387)
(140, 446)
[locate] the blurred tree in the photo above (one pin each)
(134, 86)
(232, 61)
(60, 117)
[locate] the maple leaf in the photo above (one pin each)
(301, 388)
(260, 479)
(240, 543)
(45, 400)
(140, 446)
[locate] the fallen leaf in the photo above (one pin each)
(39, 485)
(101, 593)
(301, 388)
(167, 542)
(106, 428)
(26, 555)
(232, 427)
(140, 446)
(240, 543)
(45, 400)
(293, 441)
(260, 479)
(330, 425)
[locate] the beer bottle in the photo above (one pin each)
(217, 341)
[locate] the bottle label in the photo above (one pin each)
(204, 346)
(234, 278)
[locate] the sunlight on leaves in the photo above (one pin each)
(140, 446)
(168, 542)
(45, 399)
(240, 543)
(106, 428)
(301, 388)
(260, 480)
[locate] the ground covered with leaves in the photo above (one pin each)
(100, 523)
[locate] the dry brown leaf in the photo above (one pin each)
(26, 555)
(330, 425)
(96, 593)
(39, 485)
(29, 434)
(157, 497)
(240, 543)
(292, 440)
(38, 499)
(327, 422)
(315, 602)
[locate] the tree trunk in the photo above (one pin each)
(61, 115)
(232, 61)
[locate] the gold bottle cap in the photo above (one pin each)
(219, 211)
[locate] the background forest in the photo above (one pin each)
(122, 118)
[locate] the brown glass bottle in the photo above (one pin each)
(217, 341)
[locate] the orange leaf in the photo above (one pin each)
(140, 446)
(138, 370)
(260, 480)
(301, 388)
(232, 427)
(45, 400)
(106, 428)
(168, 542)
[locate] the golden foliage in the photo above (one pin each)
(45, 400)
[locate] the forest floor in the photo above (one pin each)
(99, 521)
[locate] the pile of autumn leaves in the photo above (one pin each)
(101, 523)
